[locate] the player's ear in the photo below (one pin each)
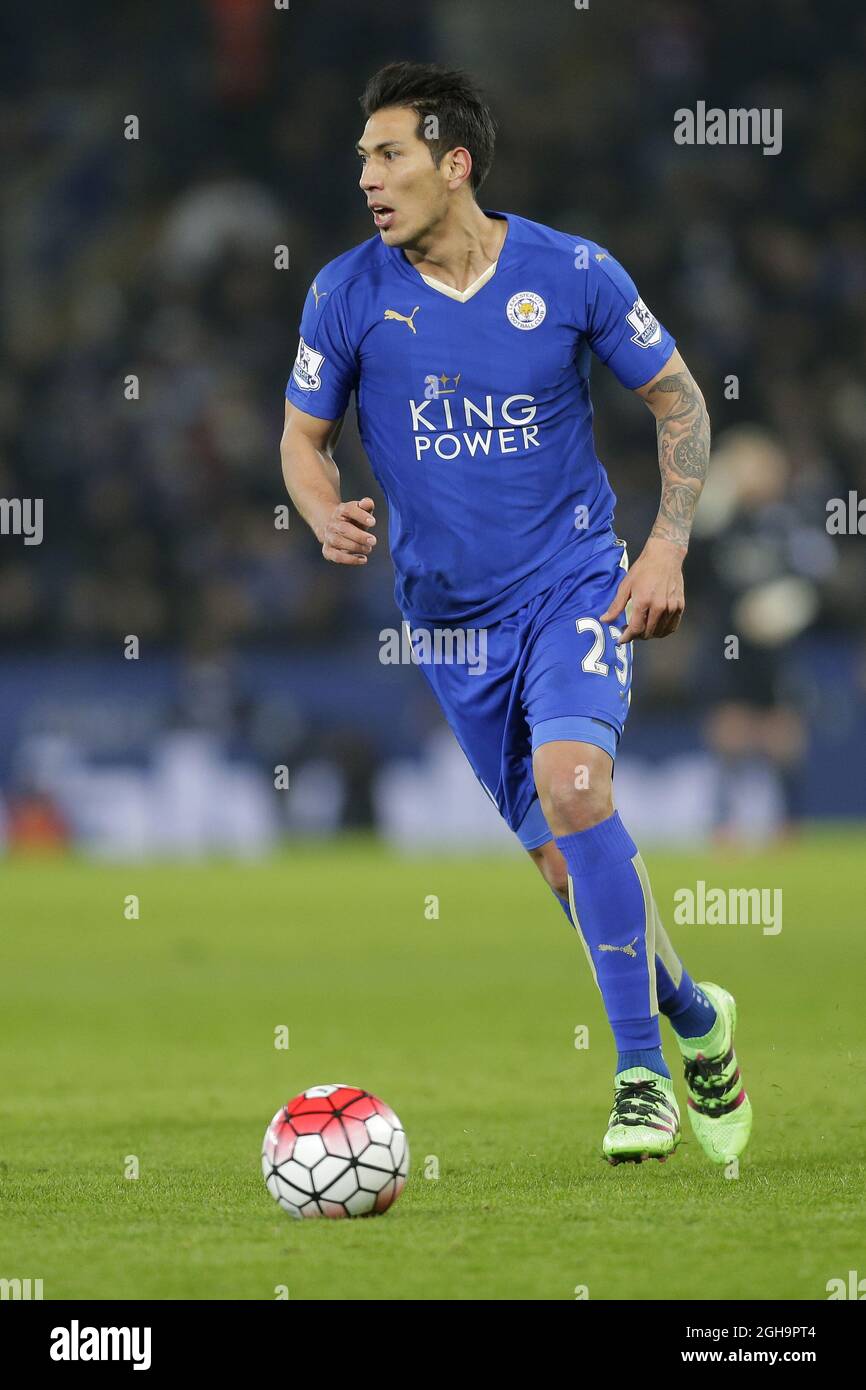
(458, 163)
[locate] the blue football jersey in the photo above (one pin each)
(475, 412)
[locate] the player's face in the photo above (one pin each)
(406, 193)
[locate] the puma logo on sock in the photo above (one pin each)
(628, 950)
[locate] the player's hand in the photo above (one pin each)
(655, 586)
(346, 539)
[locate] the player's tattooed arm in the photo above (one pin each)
(683, 432)
(653, 587)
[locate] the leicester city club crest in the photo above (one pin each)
(526, 310)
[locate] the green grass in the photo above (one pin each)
(155, 1038)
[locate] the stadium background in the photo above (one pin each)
(156, 257)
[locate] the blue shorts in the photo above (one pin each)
(550, 671)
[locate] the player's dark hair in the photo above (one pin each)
(462, 114)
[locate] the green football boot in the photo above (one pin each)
(719, 1109)
(645, 1119)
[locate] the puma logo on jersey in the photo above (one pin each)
(628, 950)
(317, 296)
(392, 314)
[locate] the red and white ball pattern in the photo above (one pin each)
(335, 1151)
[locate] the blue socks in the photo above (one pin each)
(688, 1008)
(614, 916)
(650, 1057)
(617, 922)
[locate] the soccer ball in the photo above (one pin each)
(335, 1151)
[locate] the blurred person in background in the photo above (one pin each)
(763, 560)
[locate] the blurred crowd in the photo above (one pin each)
(149, 332)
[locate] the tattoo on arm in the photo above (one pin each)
(683, 430)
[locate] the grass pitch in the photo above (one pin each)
(155, 1039)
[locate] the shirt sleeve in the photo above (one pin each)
(620, 329)
(326, 369)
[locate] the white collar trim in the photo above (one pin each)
(461, 295)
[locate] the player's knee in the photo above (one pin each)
(571, 803)
(574, 785)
